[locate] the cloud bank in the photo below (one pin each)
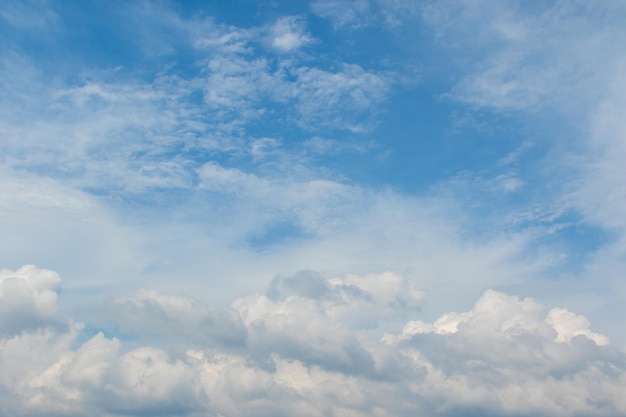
(298, 351)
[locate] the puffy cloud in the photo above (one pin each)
(155, 315)
(48, 371)
(62, 387)
(505, 356)
(288, 34)
(500, 316)
(298, 328)
(96, 377)
(569, 325)
(28, 299)
(357, 301)
(148, 381)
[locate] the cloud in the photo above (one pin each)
(505, 356)
(339, 98)
(354, 13)
(473, 355)
(47, 220)
(517, 70)
(187, 168)
(288, 34)
(318, 93)
(28, 300)
(120, 131)
(28, 15)
(569, 325)
(152, 314)
(306, 203)
(147, 381)
(542, 65)
(296, 329)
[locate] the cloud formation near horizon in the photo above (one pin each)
(304, 349)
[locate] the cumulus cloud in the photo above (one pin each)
(505, 356)
(569, 325)
(28, 299)
(475, 353)
(297, 329)
(154, 315)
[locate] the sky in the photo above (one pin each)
(337, 208)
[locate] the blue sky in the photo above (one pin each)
(338, 208)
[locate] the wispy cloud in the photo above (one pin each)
(358, 14)
(354, 13)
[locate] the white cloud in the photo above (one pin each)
(147, 380)
(288, 34)
(119, 137)
(296, 328)
(309, 346)
(317, 222)
(153, 315)
(472, 356)
(569, 325)
(519, 69)
(28, 299)
(505, 356)
(83, 161)
(63, 385)
(319, 93)
(353, 14)
(337, 99)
